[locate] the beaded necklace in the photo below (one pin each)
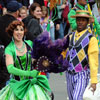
(22, 49)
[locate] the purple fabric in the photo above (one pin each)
(73, 54)
(85, 41)
(76, 84)
(78, 68)
(44, 46)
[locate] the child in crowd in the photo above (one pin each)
(45, 22)
(22, 13)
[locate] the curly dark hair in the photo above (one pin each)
(13, 25)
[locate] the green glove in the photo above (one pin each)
(15, 71)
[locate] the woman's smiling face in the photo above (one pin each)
(18, 33)
(37, 13)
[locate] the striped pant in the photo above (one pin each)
(76, 84)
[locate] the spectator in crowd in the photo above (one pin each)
(3, 9)
(45, 22)
(22, 13)
(81, 6)
(65, 12)
(5, 20)
(3, 6)
(32, 22)
(60, 24)
(12, 14)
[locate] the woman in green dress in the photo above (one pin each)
(25, 82)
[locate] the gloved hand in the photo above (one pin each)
(15, 71)
(34, 73)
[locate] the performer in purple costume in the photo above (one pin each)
(82, 56)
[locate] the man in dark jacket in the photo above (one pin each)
(3, 6)
(5, 20)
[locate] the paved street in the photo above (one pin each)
(58, 85)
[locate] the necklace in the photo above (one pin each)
(22, 49)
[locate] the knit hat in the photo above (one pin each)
(13, 6)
